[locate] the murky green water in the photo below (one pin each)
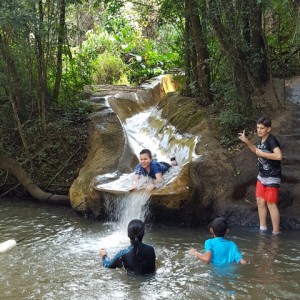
(61, 261)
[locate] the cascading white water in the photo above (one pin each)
(145, 130)
(124, 208)
(132, 206)
(149, 130)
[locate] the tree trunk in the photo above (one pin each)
(187, 57)
(16, 170)
(191, 64)
(14, 92)
(12, 74)
(201, 53)
(60, 44)
(246, 23)
(244, 82)
(42, 76)
(20, 129)
(257, 44)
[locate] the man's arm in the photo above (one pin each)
(243, 261)
(206, 257)
(115, 262)
(275, 155)
(245, 140)
(158, 178)
(135, 182)
(157, 183)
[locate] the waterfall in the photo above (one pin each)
(144, 130)
(123, 209)
(149, 130)
(130, 206)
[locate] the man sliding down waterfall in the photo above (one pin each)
(151, 168)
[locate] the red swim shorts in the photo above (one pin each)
(268, 193)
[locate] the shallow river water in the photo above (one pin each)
(60, 260)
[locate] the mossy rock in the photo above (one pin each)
(183, 112)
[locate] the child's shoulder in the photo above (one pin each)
(213, 240)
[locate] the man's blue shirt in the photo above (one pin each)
(222, 251)
(155, 167)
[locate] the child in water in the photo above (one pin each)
(138, 258)
(219, 250)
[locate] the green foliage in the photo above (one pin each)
(150, 65)
(122, 43)
(77, 72)
(283, 37)
(141, 58)
(227, 106)
(109, 69)
(169, 40)
(97, 42)
(230, 124)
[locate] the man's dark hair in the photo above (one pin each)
(136, 231)
(142, 256)
(264, 121)
(219, 226)
(146, 151)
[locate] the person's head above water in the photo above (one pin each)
(136, 231)
(219, 227)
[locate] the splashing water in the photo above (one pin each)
(148, 130)
(121, 211)
(133, 206)
(143, 130)
(130, 206)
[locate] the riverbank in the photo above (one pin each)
(56, 155)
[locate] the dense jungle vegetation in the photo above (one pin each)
(222, 52)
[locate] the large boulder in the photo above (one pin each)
(108, 151)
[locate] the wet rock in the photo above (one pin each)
(107, 145)
(216, 184)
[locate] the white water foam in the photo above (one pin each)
(148, 130)
(130, 206)
(122, 210)
(144, 130)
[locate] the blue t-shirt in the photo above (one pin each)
(155, 167)
(222, 251)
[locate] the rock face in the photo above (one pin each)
(217, 183)
(285, 126)
(108, 151)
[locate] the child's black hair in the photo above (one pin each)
(146, 151)
(264, 121)
(219, 226)
(136, 231)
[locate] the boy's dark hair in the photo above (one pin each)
(146, 151)
(136, 231)
(219, 226)
(264, 121)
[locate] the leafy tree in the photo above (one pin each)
(49, 49)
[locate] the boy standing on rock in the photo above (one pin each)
(269, 155)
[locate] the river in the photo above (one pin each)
(58, 259)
